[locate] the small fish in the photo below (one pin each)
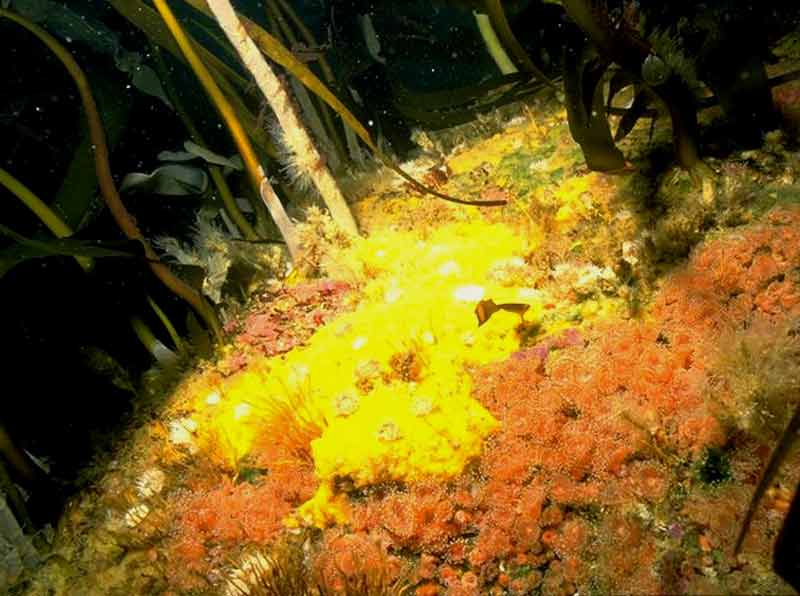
(486, 308)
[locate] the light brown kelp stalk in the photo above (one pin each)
(108, 190)
(256, 172)
(278, 53)
(276, 15)
(494, 9)
(327, 72)
(149, 22)
(295, 134)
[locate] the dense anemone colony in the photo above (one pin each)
(364, 434)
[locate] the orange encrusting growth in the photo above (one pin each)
(220, 516)
(596, 420)
(595, 424)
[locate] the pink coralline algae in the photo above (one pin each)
(292, 315)
(569, 338)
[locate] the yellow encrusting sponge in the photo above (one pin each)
(386, 385)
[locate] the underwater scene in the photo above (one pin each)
(383, 298)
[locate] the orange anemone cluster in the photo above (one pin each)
(576, 489)
(595, 426)
(214, 521)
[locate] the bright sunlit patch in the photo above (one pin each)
(179, 434)
(388, 431)
(449, 268)
(529, 294)
(469, 293)
(297, 374)
(213, 398)
(241, 411)
(392, 295)
(345, 404)
(359, 343)
(422, 405)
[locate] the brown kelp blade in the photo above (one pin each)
(786, 557)
(30, 248)
(785, 442)
(20, 252)
(639, 107)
